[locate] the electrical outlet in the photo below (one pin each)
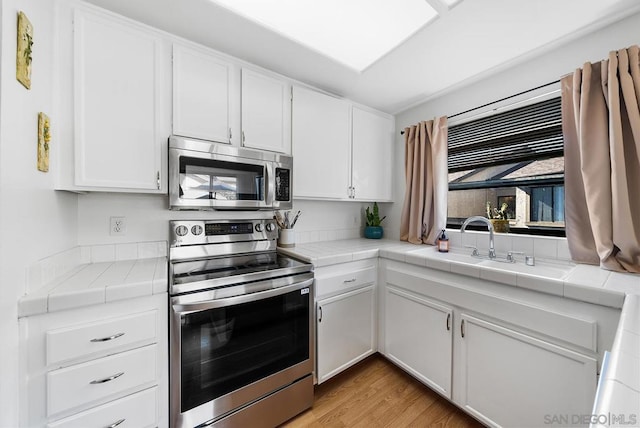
(118, 226)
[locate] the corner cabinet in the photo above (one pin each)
(509, 378)
(507, 356)
(372, 165)
(116, 126)
(341, 151)
(346, 316)
(266, 112)
(204, 89)
(321, 130)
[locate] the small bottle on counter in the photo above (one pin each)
(443, 242)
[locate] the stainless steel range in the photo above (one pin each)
(241, 330)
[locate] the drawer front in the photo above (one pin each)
(99, 379)
(133, 411)
(344, 281)
(100, 338)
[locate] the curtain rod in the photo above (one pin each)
(500, 100)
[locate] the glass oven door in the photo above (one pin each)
(229, 352)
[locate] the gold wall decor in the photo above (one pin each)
(44, 137)
(24, 54)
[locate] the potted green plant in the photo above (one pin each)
(499, 217)
(373, 230)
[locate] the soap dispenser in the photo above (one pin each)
(443, 242)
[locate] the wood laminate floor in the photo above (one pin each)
(375, 393)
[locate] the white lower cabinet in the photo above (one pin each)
(418, 338)
(137, 410)
(97, 366)
(507, 356)
(346, 323)
(507, 378)
(345, 330)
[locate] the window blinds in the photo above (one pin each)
(525, 133)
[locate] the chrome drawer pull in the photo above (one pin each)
(106, 339)
(115, 424)
(349, 280)
(106, 379)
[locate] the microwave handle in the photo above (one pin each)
(268, 185)
(236, 300)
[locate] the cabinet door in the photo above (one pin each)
(372, 155)
(202, 93)
(346, 331)
(507, 378)
(266, 112)
(418, 336)
(321, 145)
(118, 89)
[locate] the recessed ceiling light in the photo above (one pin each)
(355, 33)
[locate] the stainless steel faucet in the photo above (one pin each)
(492, 250)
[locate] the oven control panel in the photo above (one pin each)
(200, 232)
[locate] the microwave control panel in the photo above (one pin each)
(283, 184)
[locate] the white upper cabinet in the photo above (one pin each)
(266, 112)
(340, 152)
(204, 87)
(321, 145)
(372, 155)
(120, 87)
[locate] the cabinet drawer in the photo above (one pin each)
(135, 411)
(98, 379)
(100, 338)
(346, 280)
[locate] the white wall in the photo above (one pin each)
(538, 71)
(35, 221)
(147, 218)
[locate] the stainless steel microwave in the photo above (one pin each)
(212, 176)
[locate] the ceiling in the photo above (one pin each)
(465, 41)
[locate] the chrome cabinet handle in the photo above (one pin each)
(320, 311)
(462, 328)
(106, 379)
(243, 138)
(158, 179)
(106, 339)
(448, 322)
(115, 424)
(349, 280)
(230, 135)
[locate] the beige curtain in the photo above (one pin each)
(601, 126)
(424, 213)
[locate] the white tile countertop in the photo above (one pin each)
(93, 275)
(620, 393)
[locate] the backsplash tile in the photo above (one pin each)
(103, 253)
(545, 248)
(523, 244)
(50, 268)
(563, 249)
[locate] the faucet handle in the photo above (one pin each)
(510, 254)
(473, 247)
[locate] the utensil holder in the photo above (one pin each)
(287, 238)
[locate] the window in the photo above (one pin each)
(514, 158)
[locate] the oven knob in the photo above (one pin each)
(196, 230)
(270, 227)
(182, 230)
(259, 227)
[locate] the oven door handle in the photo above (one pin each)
(184, 308)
